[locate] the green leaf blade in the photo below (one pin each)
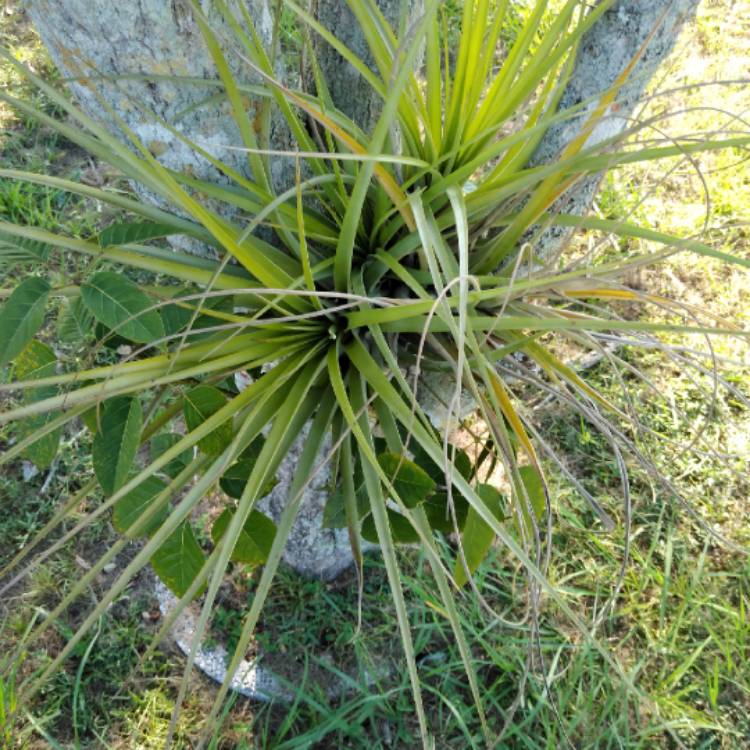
(22, 316)
(37, 361)
(236, 476)
(161, 444)
(117, 303)
(477, 536)
(115, 445)
(401, 529)
(412, 483)
(256, 538)
(179, 560)
(74, 322)
(129, 508)
(125, 232)
(531, 498)
(439, 515)
(202, 402)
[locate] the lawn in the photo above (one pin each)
(679, 626)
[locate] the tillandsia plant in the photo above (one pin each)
(411, 248)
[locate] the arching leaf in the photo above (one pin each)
(174, 316)
(116, 443)
(117, 302)
(22, 316)
(254, 542)
(224, 304)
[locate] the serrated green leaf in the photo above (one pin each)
(477, 536)
(256, 537)
(401, 529)
(179, 560)
(439, 515)
(461, 461)
(235, 478)
(412, 483)
(10, 255)
(22, 316)
(111, 340)
(129, 508)
(200, 403)
(160, 444)
(334, 511)
(252, 452)
(36, 361)
(41, 452)
(124, 232)
(174, 316)
(74, 322)
(117, 303)
(90, 419)
(116, 443)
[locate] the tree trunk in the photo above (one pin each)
(604, 53)
(161, 37)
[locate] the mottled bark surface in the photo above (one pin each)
(148, 38)
(348, 89)
(604, 53)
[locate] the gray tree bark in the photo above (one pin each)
(161, 37)
(349, 90)
(604, 53)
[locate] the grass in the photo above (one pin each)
(681, 627)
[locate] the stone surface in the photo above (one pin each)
(435, 392)
(251, 679)
(161, 38)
